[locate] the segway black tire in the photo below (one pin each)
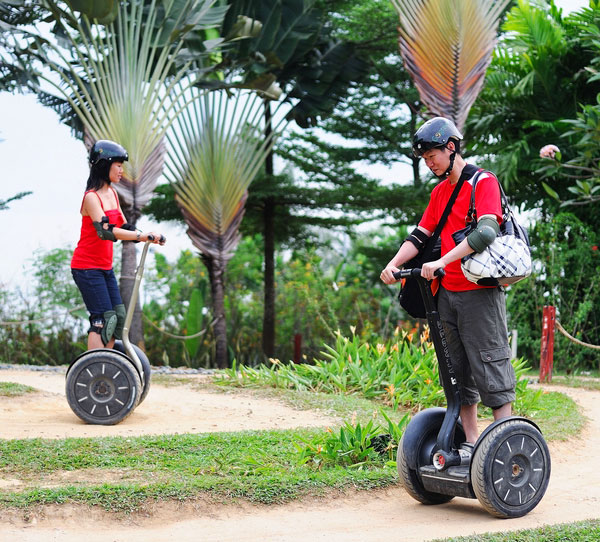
(145, 366)
(510, 469)
(103, 387)
(412, 484)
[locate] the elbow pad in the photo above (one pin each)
(105, 234)
(418, 238)
(484, 234)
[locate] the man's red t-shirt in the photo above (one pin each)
(487, 202)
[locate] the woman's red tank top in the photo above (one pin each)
(91, 251)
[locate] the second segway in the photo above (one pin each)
(104, 385)
(509, 469)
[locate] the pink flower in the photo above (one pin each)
(549, 151)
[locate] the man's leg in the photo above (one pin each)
(468, 417)
(503, 412)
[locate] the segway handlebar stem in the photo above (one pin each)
(131, 308)
(448, 380)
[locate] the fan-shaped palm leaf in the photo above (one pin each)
(122, 82)
(218, 145)
(121, 78)
(446, 46)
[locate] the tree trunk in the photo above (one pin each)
(268, 338)
(217, 289)
(415, 160)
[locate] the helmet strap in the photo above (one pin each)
(449, 170)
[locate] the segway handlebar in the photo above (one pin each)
(415, 272)
(162, 239)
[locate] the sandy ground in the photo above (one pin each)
(573, 493)
(166, 410)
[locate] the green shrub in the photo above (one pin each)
(400, 372)
(567, 260)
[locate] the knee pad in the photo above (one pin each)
(110, 324)
(121, 313)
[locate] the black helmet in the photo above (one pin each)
(435, 133)
(104, 149)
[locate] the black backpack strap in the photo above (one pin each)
(438, 230)
(472, 214)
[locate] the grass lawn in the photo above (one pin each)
(11, 389)
(581, 531)
(120, 474)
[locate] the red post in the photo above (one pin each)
(547, 344)
(297, 348)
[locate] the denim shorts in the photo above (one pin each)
(98, 288)
(475, 326)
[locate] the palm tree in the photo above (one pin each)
(218, 146)
(446, 46)
(121, 80)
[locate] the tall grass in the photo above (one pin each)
(401, 372)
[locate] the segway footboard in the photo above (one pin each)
(415, 456)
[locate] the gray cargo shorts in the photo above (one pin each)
(475, 326)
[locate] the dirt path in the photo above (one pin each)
(166, 410)
(573, 493)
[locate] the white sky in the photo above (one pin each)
(39, 154)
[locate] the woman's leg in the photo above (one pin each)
(92, 285)
(112, 288)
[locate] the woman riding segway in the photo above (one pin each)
(104, 385)
(103, 223)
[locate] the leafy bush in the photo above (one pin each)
(355, 445)
(399, 372)
(313, 299)
(51, 315)
(567, 262)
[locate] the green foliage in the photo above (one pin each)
(12, 389)
(372, 125)
(195, 320)
(581, 531)
(260, 466)
(567, 259)
(292, 48)
(399, 372)
(4, 202)
(50, 314)
(314, 298)
(177, 303)
(528, 401)
(539, 75)
(355, 446)
(581, 170)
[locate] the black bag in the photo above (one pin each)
(410, 296)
